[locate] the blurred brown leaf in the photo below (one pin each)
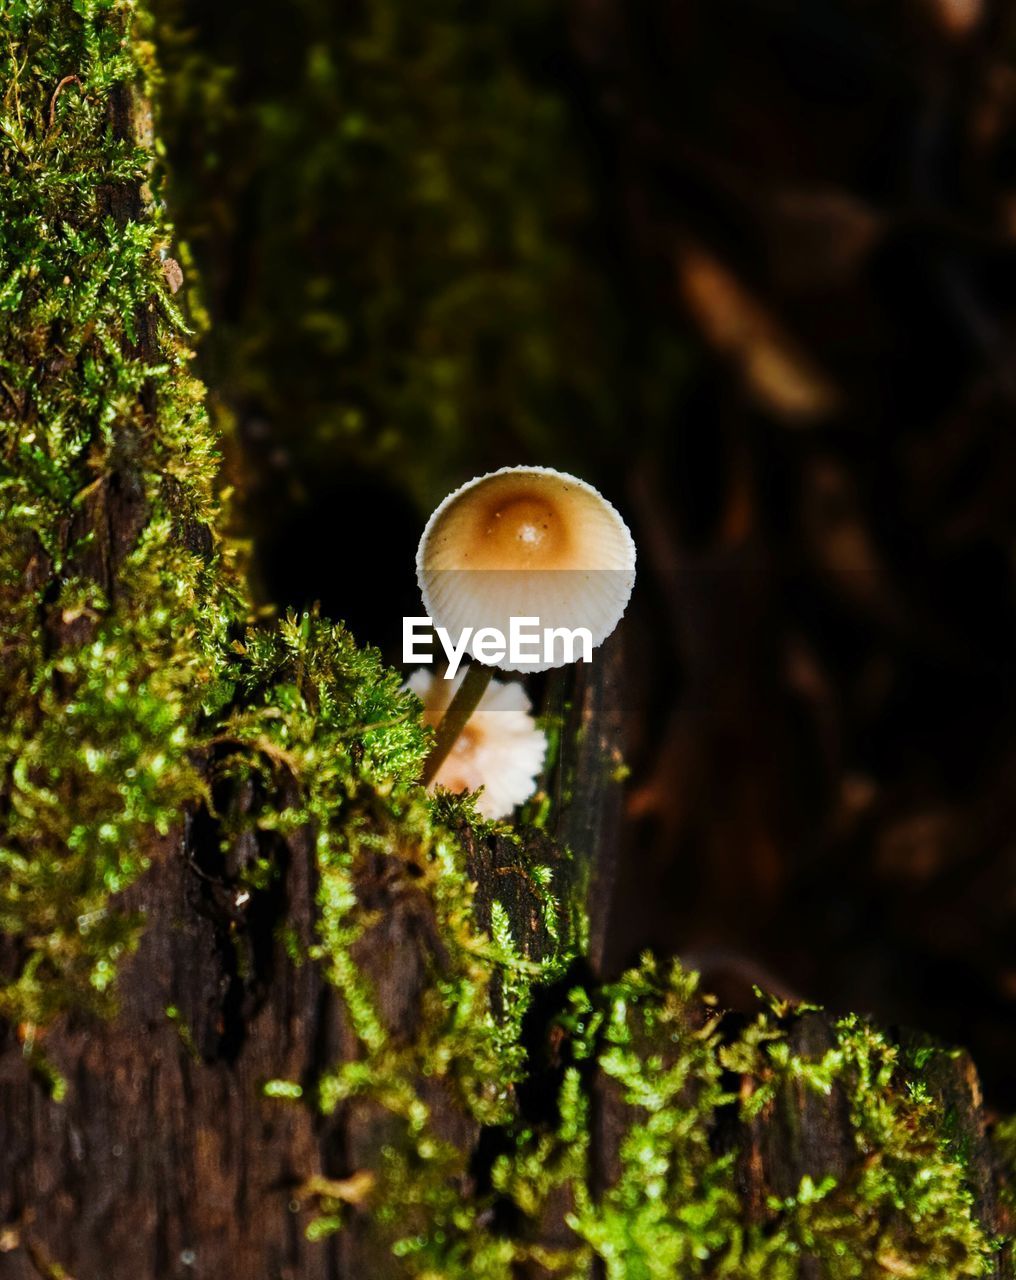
(775, 369)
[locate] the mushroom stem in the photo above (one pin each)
(456, 717)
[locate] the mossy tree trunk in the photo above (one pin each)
(268, 1011)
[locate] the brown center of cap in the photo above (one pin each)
(510, 521)
(523, 529)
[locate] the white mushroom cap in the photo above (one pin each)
(501, 748)
(526, 542)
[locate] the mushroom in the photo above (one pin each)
(501, 749)
(521, 543)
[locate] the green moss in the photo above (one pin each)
(674, 1206)
(305, 700)
(97, 410)
(905, 1207)
(1003, 1142)
(907, 1202)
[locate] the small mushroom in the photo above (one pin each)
(501, 749)
(523, 542)
(526, 542)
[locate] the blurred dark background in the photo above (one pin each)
(749, 266)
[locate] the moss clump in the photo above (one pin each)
(304, 701)
(1003, 1141)
(105, 646)
(905, 1206)
(675, 1206)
